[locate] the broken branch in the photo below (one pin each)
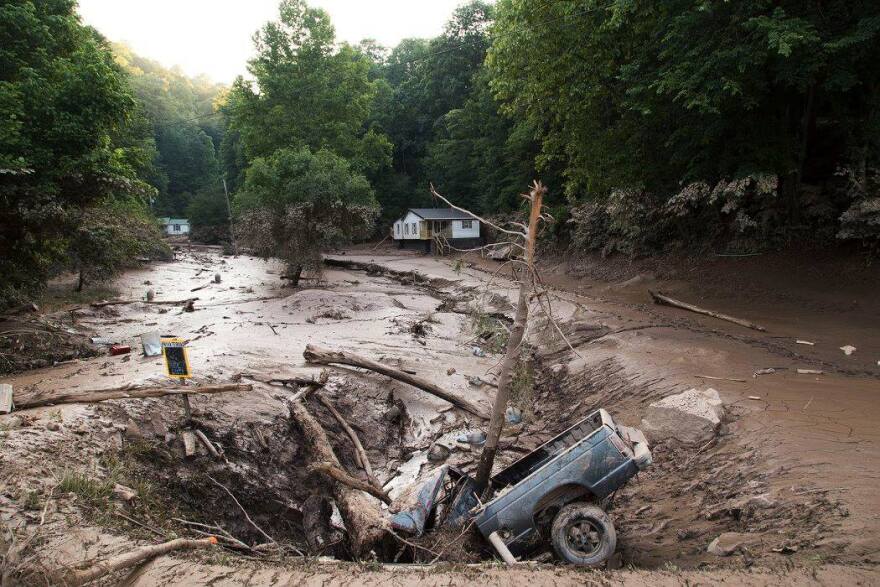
(100, 395)
(361, 453)
(663, 300)
(338, 474)
(322, 356)
(153, 302)
(77, 577)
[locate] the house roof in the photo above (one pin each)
(441, 214)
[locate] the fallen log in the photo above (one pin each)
(663, 300)
(77, 577)
(321, 356)
(338, 474)
(154, 302)
(366, 525)
(100, 395)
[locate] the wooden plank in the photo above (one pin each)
(5, 398)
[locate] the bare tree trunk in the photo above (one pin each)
(100, 395)
(514, 344)
(295, 275)
(322, 356)
(81, 281)
(365, 523)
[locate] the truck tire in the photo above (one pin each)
(583, 534)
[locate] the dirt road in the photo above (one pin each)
(808, 444)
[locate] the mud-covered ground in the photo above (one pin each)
(793, 472)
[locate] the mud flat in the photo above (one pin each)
(788, 482)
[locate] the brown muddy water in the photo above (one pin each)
(808, 443)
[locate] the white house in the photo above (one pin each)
(434, 229)
(175, 226)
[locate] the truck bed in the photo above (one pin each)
(544, 453)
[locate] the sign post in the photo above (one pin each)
(177, 367)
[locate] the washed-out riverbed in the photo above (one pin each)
(249, 327)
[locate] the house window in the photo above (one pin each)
(176, 228)
(466, 223)
(415, 227)
(406, 228)
(397, 229)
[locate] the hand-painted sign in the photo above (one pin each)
(176, 358)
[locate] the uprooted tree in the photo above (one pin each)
(522, 237)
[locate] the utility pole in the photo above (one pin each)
(229, 212)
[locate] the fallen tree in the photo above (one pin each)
(322, 356)
(74, 577)
(100, 395)
(366, 525)
(153, 302)
(663, 300)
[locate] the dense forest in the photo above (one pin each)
(674, 126)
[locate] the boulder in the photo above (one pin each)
(691, 417)
(728, 543)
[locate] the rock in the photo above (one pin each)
(478, 352)
(216, 278)
(690, 417)
(438, 453)
(11, 423)
(53, 426)
(513, 415)
(726, 544)
(151, 294)
(124, 493)
(133, 431)
(392, 414)
(450, 371)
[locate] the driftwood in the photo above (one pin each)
(366, 525)
(338, 474)
(208, 444)
(321, 356)
(185, 302)
(661, 299)
(360, 453)
(100, 395)
(77, 577)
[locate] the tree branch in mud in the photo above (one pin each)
(152, 302)
(100, 395)
(514, 342)
(663, 300)
(360, 453)
(366, 525)
(77, 577)
(322, 356)
(337, 474)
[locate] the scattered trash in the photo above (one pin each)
(103, 340)
(848, 349)
(478, 352)
(476, 437)
(120, 349)
(151, 342)
(513, 415)
(810, 372)
(767, 371)
(6, 405)
(807, 342)
(477, 382)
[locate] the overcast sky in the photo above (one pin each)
(214, 36)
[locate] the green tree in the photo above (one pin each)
(295, 203)
(67, 136)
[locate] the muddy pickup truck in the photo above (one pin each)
(556, 490)
(555, 493)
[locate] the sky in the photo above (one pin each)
(213, 37)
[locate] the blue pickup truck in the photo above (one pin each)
(554, 493)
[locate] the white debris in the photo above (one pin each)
(690, 417)
(807, 342)
(810, 372)
(848, 349)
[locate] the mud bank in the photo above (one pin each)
(60, 465)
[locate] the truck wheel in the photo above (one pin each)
(583, 534)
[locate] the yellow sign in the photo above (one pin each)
(176, 358)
